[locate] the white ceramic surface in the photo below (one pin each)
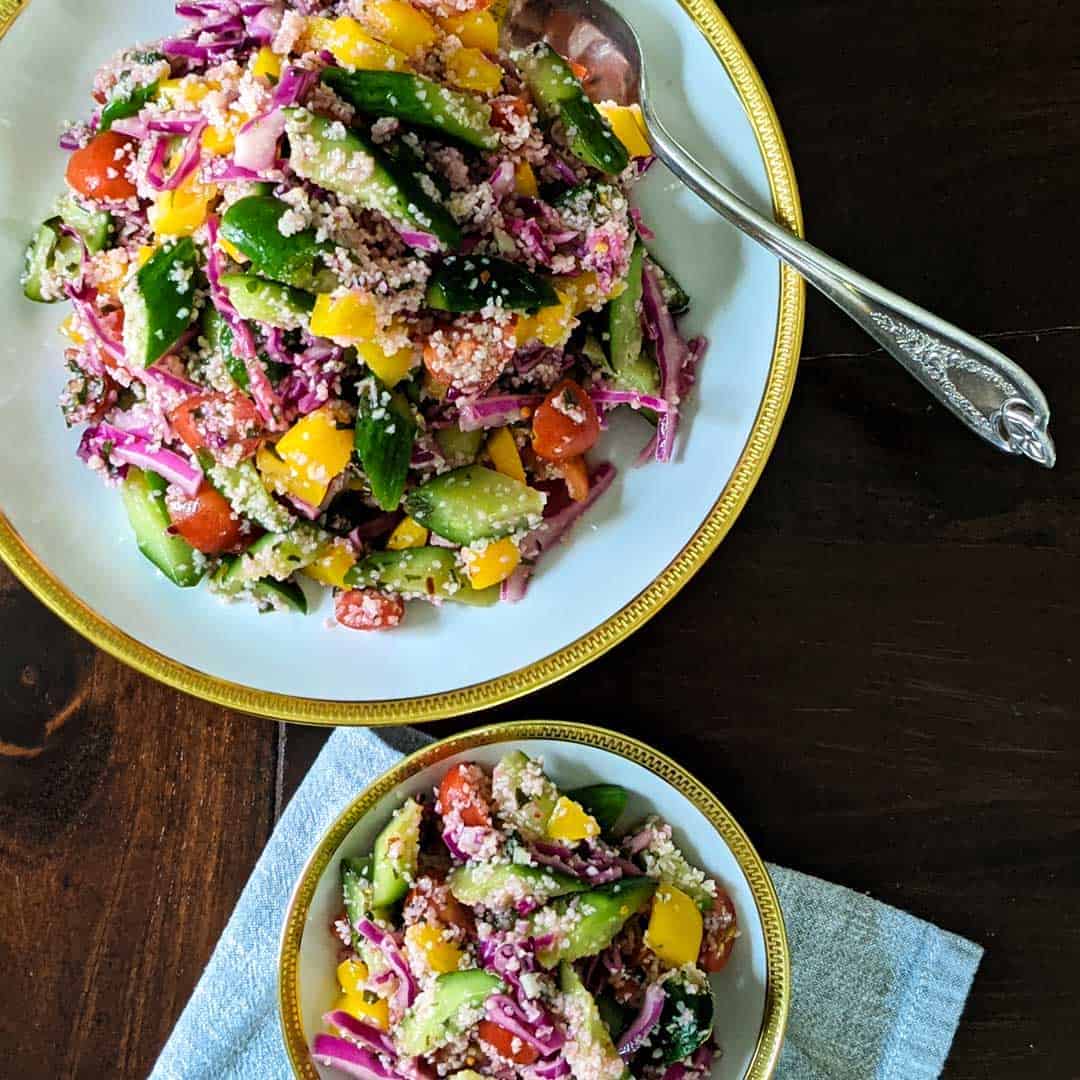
(739, 990)
(78, 530)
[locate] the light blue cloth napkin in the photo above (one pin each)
(876, 993)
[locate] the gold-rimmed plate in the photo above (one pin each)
(66, 538)
(752, 992)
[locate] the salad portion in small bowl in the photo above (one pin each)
(499, 925)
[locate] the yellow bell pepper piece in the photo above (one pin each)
(629, 127)
(345, 319)
(220, 140)
(351, 976)
(401, 25)
(352, 45)
(313, 451)
(266, 63)
(407, 534)
(525, 180)
(550, 325)
(391, 368)
(470, 69)
(332, 565)
(504, 455)
(439, 954)
(181, 212)
(675, 927)
(492, 564)
(569, 821)
(189, 89)
(375, 1012)
(143, 254)
(474, 29)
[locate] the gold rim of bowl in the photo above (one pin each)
(777, 958)
(63, 602)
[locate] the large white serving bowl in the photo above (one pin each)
(66, 536)
(751, 992)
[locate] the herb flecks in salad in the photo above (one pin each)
(353, 295)
(509, 929)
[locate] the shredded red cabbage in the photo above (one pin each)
(406, 991)
(672, 354)
(642, 1026)
(422, 241)
(130, 449)
(358, 1031)
(610, 398)
(350, 1059)
(496, 410)
(257, 140)
(539, 1032)
(155, 169)
(554, 528)
(643, 230)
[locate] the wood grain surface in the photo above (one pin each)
(876, 672)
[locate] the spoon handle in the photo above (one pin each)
(990, 393)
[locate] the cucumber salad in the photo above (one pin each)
(507, 929)
(354, 293)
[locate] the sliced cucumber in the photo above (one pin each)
(502, 885)
(559, 95)
(523, 794)
(242, 485)
(416, 100)
(590, 1049)
(268, 593)
(451, 1005)
(395, 855)
(50, 253)
(143, 493)
(675, 296)
(342, 160)
(385, 431)
(634, 368)
(159, 302)
(687, 1020)
(475, 503)
(125, 105)
(427, 572)
(472, 282)
(592, 918)
(253, 226)
(94, 226)
(268, 302)
(459, 447)
(275, 556)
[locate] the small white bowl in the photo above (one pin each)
(751, 992)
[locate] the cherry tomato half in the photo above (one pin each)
(463, 789)
(207, 522)
(368, 609)
(565, 424)
(719, 936)
(430, 900)
(224, 424)
(97, 170)
(470, 356)
(576, 474)
(506, 1044)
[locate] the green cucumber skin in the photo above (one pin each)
(268, 302)
(437, 1015)
(416, 100)
(94, 226)
(605, 802)
(391, 874)
(268, 593)
(476, 885)
(384, 435)
(389, 188)
(592, 1039)
(252, 225)
(157, 311)
(474, 503)
(130, 105)
(560, 96)
(143, 493)
(459, 447)
(634, 369)
(38, 261)
(604, 911)
(470, 283)
(675, 296)
(430, 572)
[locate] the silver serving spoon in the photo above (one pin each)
(990, 393)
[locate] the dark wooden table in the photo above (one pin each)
(876, 671)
